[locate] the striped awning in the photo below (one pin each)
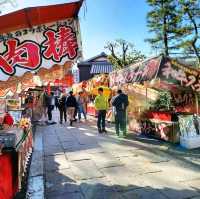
(99, 68)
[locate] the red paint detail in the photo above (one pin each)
(60, 44)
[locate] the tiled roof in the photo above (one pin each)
(104, 67)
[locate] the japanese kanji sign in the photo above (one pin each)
(40, 46)
(180, 74)
(169, 71)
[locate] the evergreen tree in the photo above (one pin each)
(189, 10)
(163, 21)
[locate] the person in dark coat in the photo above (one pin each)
(62, 107)
(71, 104)
(120, 103)
(51, 104)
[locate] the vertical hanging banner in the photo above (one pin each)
(44, 45)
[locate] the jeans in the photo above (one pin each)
(101, 119)
(49, 111)
(81, 110)
(120, 122)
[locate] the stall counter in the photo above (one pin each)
(13, 162)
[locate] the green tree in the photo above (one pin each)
(189, 10)
(163, 22)
(123, 53)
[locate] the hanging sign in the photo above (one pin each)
(177, 73)
(140, 72)
(44, 45)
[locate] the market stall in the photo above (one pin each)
(90, 90)
(15, 147)
(161, 91)
(37, 50)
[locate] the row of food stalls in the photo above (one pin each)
(38, 47)
(90, 90)
(163, 95)
(164, 99)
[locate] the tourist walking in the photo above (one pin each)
(62, 107)
(81, 108)
(44, 102)
(101, 105)
(71, 104)
(120, 103)
(51, 104)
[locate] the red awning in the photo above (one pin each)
(29, 17)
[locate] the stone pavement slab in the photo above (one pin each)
(99, 188)
(85, 169)
(56, 162)
(143, 193)
(195, 184)
(122, 178)
(58, 195)
(53, 150)
(78, 155)
(104, 160)
(81, 164)
(140, 165)
(168, 185)
(62, 181)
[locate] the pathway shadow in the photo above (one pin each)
(63, 187)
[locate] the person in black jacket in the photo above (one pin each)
(62, 107)
(71, 106)
(120, 102)
(50, 106)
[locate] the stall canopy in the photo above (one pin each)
(29, 17)
(162, 72)
(38, 40)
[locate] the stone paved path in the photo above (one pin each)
(80, 164)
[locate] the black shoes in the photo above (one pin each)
(71, 123)
(102, 131)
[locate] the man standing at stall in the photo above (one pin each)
(101, 105)
(120, 103)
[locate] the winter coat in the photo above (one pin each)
(120, 102)
(71, 101)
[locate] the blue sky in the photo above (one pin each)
(106, 20)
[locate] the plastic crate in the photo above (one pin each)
(190, 142)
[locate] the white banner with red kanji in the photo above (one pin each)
(40, 46)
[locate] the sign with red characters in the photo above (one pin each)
(40, 46)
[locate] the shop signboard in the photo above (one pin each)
(166, 69)
(180, 74)
(13, 104)
(40, 46)
(143, 71)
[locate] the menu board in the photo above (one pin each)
(13, 104)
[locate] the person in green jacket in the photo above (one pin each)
(101, 105)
